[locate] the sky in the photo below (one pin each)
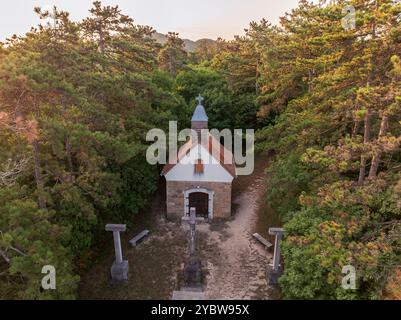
(192, 19)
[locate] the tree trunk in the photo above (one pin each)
(38, 175)
(257, 77)
(67, 143)
(355, 129)
(69, 158)
(18, 111)
(366, 139)
(378, 152)
(310, 81)
(101, 42)
(5, 257)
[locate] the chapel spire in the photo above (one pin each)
(200, 119)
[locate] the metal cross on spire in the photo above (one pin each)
(200, 99)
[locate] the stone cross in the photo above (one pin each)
(200, 99)
(119, 270)
(278, 232)
(193, 267)
(192, 216)
(192, 224)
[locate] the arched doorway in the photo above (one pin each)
(202, 200)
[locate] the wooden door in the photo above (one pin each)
(199, 201)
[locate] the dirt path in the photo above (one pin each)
(236, 269)
(234, 263)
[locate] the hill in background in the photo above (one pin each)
(190, 45)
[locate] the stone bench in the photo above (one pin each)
(262, 240)
(137, 239)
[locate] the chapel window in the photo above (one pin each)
(199, 167)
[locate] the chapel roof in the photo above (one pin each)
(214, 147)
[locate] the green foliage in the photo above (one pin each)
(288, 178)
(339, 230)
(77, 99)
(76, 102)
(139, 182)
(225, 108)
(332, 94)
(30, 240)
(173, 57)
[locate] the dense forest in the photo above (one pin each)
(77, 99)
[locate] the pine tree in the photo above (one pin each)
(173, 57)
(324, 82)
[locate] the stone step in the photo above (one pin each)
(188, 295)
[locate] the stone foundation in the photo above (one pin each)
(176, 201)
(119, 271)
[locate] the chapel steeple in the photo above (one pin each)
(200, 119)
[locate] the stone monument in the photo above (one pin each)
(192, 289)
(193, 267)
(119, 269)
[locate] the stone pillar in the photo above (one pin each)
(274, 271)
(120, 267)
(117, 247)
